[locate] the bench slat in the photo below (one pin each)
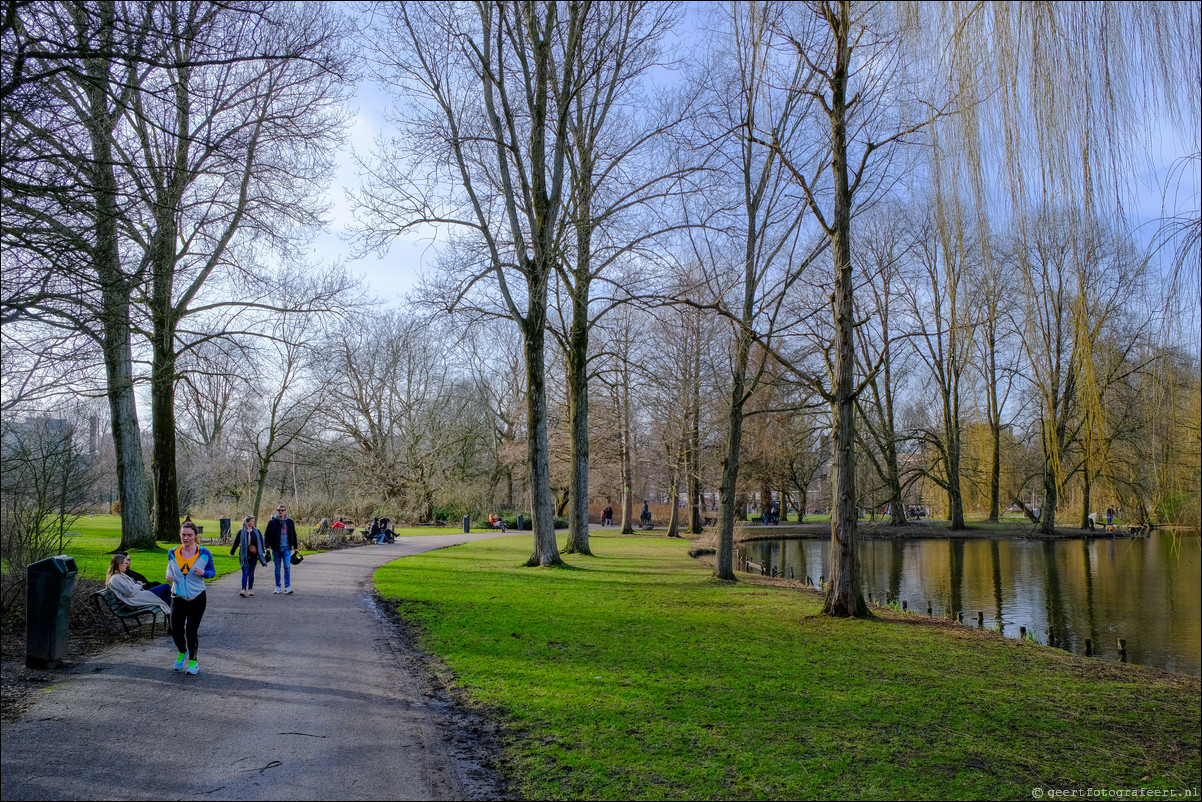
(123, 612)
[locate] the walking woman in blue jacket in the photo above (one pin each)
(252, 552)
(188, 566)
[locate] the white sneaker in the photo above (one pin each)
(277, 589)
(287, 590)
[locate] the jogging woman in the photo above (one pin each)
(188, 566)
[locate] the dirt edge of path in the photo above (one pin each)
(473, 739)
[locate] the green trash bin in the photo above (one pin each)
(49, 586)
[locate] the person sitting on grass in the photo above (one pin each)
(130, 591)
(495, 522)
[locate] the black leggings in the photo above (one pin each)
(185, 621)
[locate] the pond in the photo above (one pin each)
(1146, 590)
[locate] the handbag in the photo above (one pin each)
(296, 558)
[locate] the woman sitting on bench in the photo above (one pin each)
(131, 592)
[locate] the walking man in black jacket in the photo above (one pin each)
(281, 539)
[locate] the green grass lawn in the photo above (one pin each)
(636, 675)
(99, 535)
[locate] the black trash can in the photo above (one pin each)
(49, 586)
(225, 528)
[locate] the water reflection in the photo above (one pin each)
(1145, 591)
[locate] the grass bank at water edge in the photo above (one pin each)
(635, 675)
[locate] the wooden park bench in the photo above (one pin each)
(124, 612)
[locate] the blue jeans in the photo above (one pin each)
(163, 591)
(248, 573)
(285, 556)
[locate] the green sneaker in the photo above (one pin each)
(181, 661)
(192, 667)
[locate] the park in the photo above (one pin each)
(641, 400)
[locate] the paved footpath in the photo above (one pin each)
(298, 697)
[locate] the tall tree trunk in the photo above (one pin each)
(261, 480)
(1047, 516)
(951, 437)
(627, 469)
(546, 550)
(1086, 475)
(115, 290)
(163, 313)
(843, 594)
(994, 414)
(693, 465)
(897, 504)
(724, 558)
(127, 435)
(673, 497)
(1086, 501)
(577, 358)
(162, 424)
(955, 495)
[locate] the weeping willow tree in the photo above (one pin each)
(1043, 106)
(1061, 105)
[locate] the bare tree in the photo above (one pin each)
(47, 478)
(234, 137)
(756, 257)
(195, 117)
(67, 87)
(614, 174)
(388, 393)
(837, 46)
(945, 322)
(996, 361)
(880, 261)
(482, 88)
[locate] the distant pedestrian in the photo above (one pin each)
(1110, 516)
(281, 539)
(188, 566)
(607, 516)
(645, 515)
(252, 552)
